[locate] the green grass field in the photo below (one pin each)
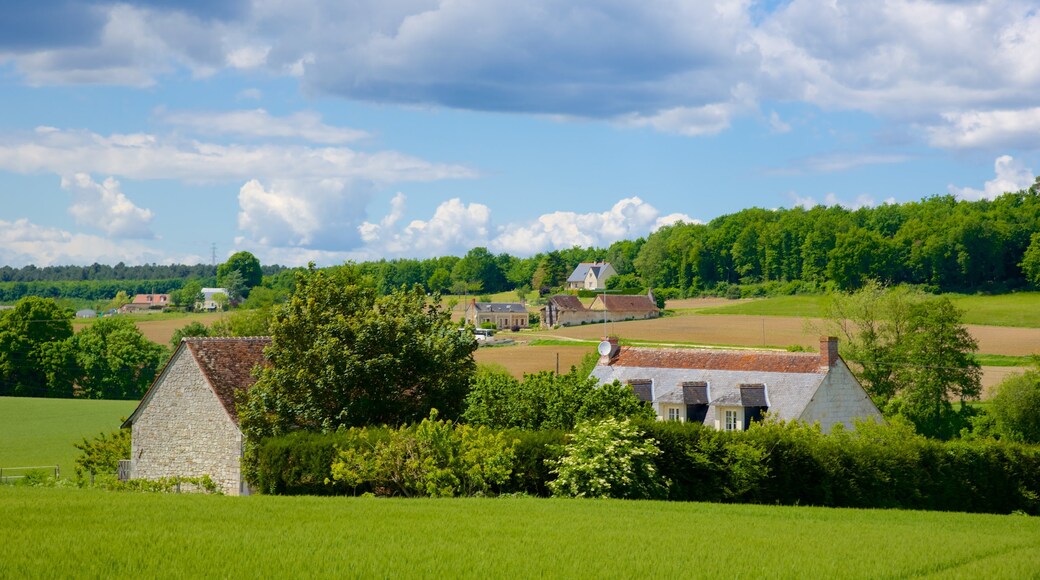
(1020, 309)
(88, 533)
(41, 431)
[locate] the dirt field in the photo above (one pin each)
(524, 359)
(161, 329)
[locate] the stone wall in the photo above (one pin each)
(840, 399)
(183, 430)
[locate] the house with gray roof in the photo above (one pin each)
(186, 424)
(728, 389)
(590, 276)
(502, 314)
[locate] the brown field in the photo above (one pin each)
(524, 359)
(160, 329)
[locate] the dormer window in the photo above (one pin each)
(643, 388)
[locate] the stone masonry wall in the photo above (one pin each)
(840, 399)
(184, 431)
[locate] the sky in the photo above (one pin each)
(176, 131)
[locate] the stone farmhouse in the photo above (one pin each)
(568, 310)
(186, 424)
(590, 276)
(503, 315)
(728, 389)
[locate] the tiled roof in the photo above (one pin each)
(500, 307)
(722, 360)
(228, 365)
(627, 302)
(567, 302)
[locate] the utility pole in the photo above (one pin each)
(213, 248)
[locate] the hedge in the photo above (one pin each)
(873, 466)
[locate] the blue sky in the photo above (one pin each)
(324, 130)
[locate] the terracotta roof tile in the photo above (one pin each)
(228, 364)
(723, 360)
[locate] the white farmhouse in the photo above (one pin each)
(727, 389)
(187, 425)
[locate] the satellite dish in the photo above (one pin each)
(604, 348)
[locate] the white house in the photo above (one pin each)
(590, 276)
(187, 425)
(728, 389)
(207, 302)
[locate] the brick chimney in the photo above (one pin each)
(828, 351)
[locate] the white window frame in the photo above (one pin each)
(674, 414)
(730, 420)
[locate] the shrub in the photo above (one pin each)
(434, 458)
(102, 453)
(608, 458)
(301, 462)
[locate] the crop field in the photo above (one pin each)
(41, 431)
(159, 327)
(1021, 309)
(88, 533)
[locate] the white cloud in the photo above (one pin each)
(315, 214)
(1011, 175)
(259, 124)
(23, 242)
(146, 156)
(832, 200)
(688, 121)
(253, 94)
(988, 129)
(777, 124)
(105, 207)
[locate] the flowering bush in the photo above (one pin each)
(608, 458)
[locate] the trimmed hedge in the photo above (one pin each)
(873, 466)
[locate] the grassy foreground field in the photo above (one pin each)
(42, 431)
(86, 533)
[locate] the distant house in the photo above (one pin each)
(207, 302)
(728, 389)
(187, 425)
(501, 314)
(565, 310)
(147, 302)
(86, 313)
(590, 276)
(627, 306)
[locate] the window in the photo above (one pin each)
(731, 420)
(674, 415)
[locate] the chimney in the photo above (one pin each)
(605, 359)
(828, 351)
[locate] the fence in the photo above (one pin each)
(9, 474)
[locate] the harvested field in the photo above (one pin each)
(160, 328)
(525, 359)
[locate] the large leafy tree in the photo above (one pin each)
(911, 352)
(247, 265)
(1016, 406)
(342, 356)
(116, 360)
(35, 350)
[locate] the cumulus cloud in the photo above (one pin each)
(1011, 175)
(147, 156)
(457, 226)
(987, 129)
(259, 124)
(23, 242)
(105, 207)
(832, 200)
(317, 214)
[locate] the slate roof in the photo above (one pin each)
(514, 307)
(627, 302)
(579, 273)
(227, 364)
(567, 302)
(790, 379)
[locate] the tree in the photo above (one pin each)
(480, 266)
(116, 361)
(35, 349)
(235, 286)
(246, 265)
(192, 329)
(1016, 406)
(341, 356)
(255, 322)
(188, 295)
(911, 353)
(120, 300)
(1030, 263)
(440, 280)
(550, 273)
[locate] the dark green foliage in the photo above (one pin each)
(116, 361)
(248, 268)
(546, 400)
(342, 356)
(534, 453)
(300, 463)
(36, 350)
(192, 329)
(1016, 407)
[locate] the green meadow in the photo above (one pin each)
(88, 533)
(1019, 309)
(41, 431)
